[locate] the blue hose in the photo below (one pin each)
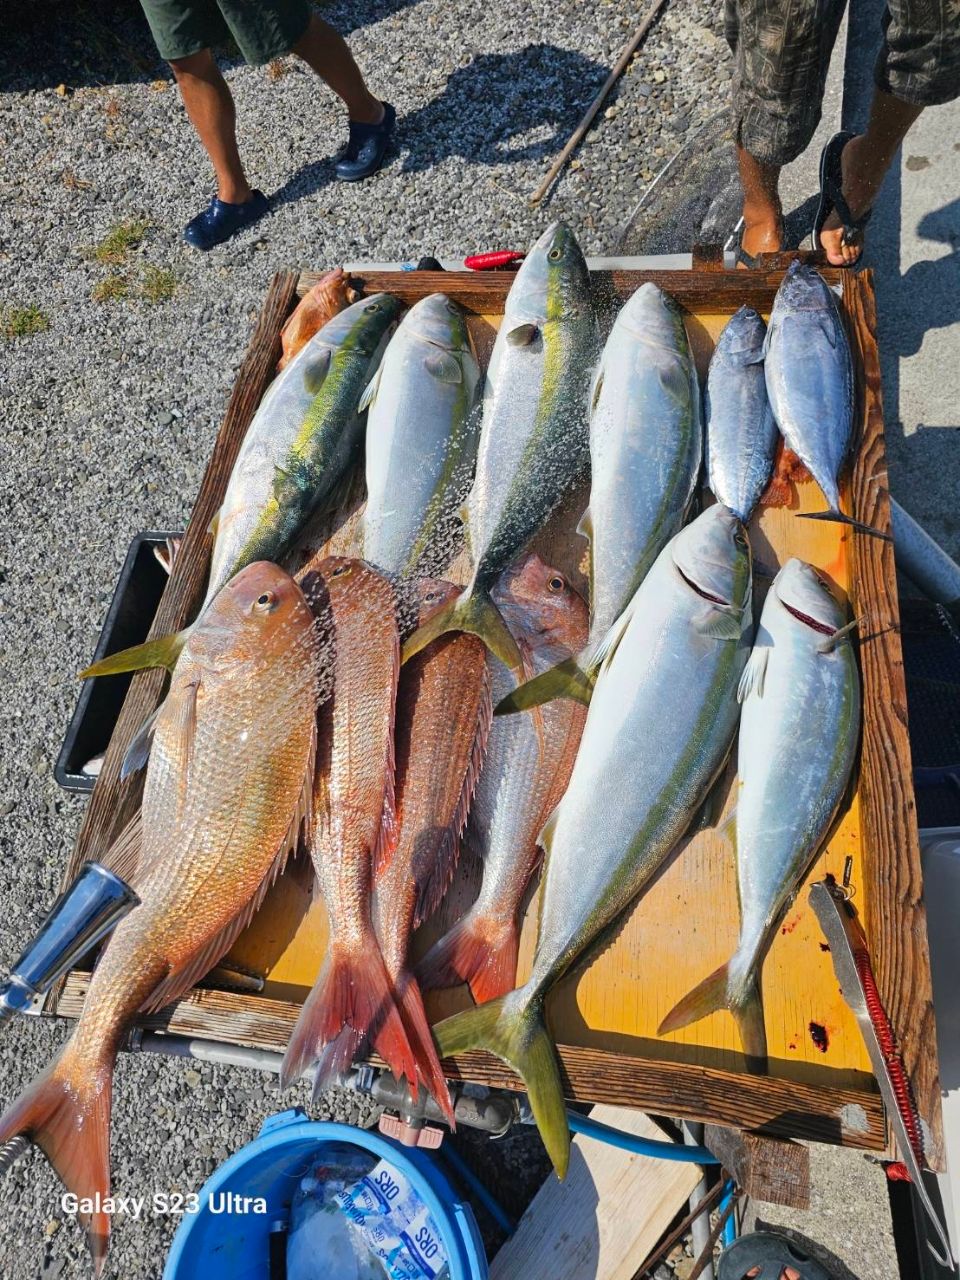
(449, 1153)
(641, 1146)
(730, 1226)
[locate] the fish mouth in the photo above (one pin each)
(702, 591)
(814, 623)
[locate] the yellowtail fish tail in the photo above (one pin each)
(162, 652)
(568, 679)
(351, 1000)
(513, 1028)
(421, 1041)
(837, 517)
(479, 952)
(476, 613)
(66, 1113)
(714, 993)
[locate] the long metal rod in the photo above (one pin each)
(590, 114)
(922, 559)
(700, 1227)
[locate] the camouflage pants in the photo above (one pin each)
(782, 52)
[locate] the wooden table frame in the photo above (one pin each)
(895, 917)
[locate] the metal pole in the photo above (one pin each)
(924, 561)
(700, 1228)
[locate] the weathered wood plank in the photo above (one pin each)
(589, 1224)
(786, 1108)
(484, 292)
(894, 912)
(770, 1169)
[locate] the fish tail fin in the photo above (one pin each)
(352, 1000)
(837, 517)
(66, 1113)
(718, 992)
(514, 1029)
(475, 612)
(479, 951)
(573, 678)
(421, 1041)
(162, 652)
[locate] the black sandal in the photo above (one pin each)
(831, 197)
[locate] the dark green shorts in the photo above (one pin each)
(262, 29)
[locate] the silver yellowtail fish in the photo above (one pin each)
(645, 454)
(809, 374)
(421, 441)
(799, 730)
(534, 446)
(741, 429)
(659, 728)
(302, 444)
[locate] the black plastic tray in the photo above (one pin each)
(132, 609)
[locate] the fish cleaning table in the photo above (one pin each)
(605, 1014)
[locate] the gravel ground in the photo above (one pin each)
(109, 414)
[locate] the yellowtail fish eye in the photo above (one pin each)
(266, 602)
(555, 254)
(452, 308)
(374, 306)
(556, 583)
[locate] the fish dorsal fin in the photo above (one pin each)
(718, 624)
(180, 980)
(316, 369)
(123, 856)
(444, 367)
(585, 525)
(754, 673)
(433, 890)
(370, 390)
(728, 827)
(386, 843)
(522, 335)
(138, 752)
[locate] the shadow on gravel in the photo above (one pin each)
(499, 109)
(101, 42)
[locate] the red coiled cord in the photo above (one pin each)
(896, 1171)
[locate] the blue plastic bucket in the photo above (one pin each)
(235, 1246)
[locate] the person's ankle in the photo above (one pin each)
(372, 112)
(234, 194)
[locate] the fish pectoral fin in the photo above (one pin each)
(214, 526)
(123, 856)
(444, 367)
(545, 837)
(138, 752)
(370, 390)
(316, 370)
(674, 380)
(754, 673)
(518, 1035)
(718, 624)
(162, 652)
(828, 324)
(585, 525)
(522, 335)
(607, 646)
(830, 643)
(728, 828)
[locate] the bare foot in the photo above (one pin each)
(860, 184)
